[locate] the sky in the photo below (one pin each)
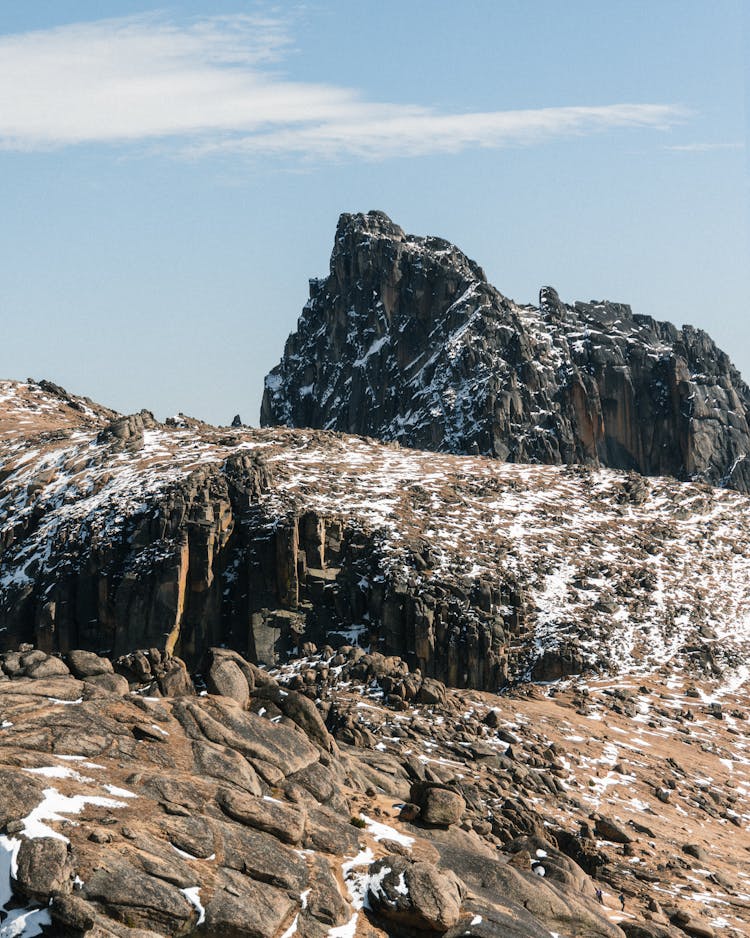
(171, 176)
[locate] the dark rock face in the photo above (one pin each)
(406, 340)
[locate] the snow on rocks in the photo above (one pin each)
(575, 572)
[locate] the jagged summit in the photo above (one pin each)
(406, 340)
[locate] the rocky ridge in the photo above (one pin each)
(406, 341)
(345, 795)
(123, 533)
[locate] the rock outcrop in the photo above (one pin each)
(124, 533)
(138, 813)
(406, 341)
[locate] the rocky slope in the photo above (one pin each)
(343, 796)
(406, 340)
(117, 533)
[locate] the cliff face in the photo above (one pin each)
(119, 533)
(406, 340)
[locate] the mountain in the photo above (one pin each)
(223, 706)
(120, 532)
(406, 341)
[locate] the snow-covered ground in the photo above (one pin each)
(630, 583)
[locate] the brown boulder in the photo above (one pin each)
(286, 822)
(226, 679)
(243, 908)
(132, 896)
(432, 692)
(606, 829)
(47, 667)
(113, 683)
(175, 680)
(414, 894)
(88, 664)
(19, 795)
(438, 806)
(226, 765)
(43, 867)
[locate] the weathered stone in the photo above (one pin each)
(286, 822)
(138, 899)
(225, 678)
(261, 856)
(431, 692)
(225, 765)
(325, 902)
(438, 805)
(47, 667)
(221, 720)
(19, 795)
(113, 683)
(175, 680)
(193, 835)
(87, 663)
(300, 710)
(243, 908)
(43, 868)
(414, 894)
(73, 911)
(608, 829)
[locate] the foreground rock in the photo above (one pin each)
(196, 814)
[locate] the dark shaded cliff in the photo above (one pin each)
(406, 340)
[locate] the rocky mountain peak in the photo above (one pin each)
(406, 341)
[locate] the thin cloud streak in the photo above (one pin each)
(212, 87)
(421, 133)
(704, 147)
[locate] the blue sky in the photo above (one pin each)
(171, 176)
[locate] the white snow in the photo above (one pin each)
(54, 805)
(25, 923)
(292, 928)
(192, 894)
(381, 831)
(119, 792)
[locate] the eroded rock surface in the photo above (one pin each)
(143, 814)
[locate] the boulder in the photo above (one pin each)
(300, 710)
(112, 683)
(262, 857)
(226, 679)
(174, 680)
(431, 692)
(43, 868)
(47, 667)
(241, 907)
(607, 829)
(438, 805)
(414, 894)
(286, 822)
(325, 902)
(88, 664)
(20, 793)
(690, 925)
(130, 895)
(226, 765)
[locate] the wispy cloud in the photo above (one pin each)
(705, 147)
(214, 86)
